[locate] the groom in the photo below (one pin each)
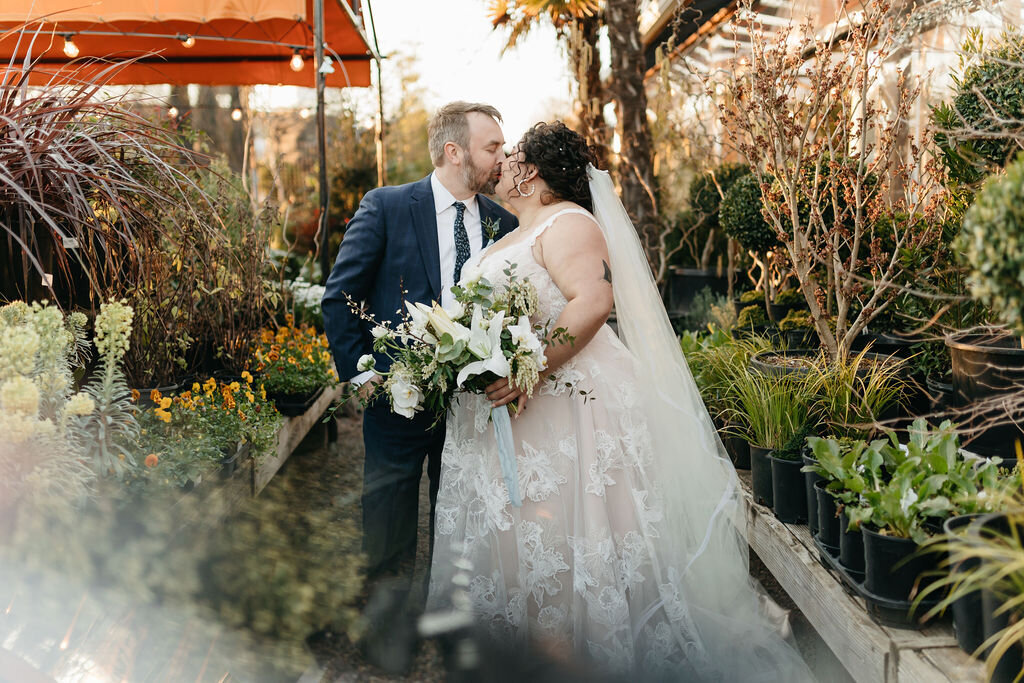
(409, 243)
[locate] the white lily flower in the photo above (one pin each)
(455, 310)
(523, 335)
(487, 347)
(443, 324)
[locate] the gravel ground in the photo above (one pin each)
(334, 473)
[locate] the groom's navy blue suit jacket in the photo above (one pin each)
(390, 245)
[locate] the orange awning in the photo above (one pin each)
(236, 42)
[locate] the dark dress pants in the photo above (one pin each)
(396, 447)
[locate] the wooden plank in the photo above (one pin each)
(291, 434)
(869, 651)
(838, 618)
(955, 664)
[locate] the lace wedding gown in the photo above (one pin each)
(580, 565)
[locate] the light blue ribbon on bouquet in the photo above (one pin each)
(506, 453)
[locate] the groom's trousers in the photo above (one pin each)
(396, 447)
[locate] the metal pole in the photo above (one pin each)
(321, 137)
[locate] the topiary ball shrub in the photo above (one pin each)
(992, 244)
(796, 320)
(704, 196)
(752, 316)
(790, 297)
(979, 131)
(740, 216)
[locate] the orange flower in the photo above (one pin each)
(166, 402)
(135, 395)
(289, 319)
(247, 377)
(163, 415)
(274, 356)
(154, 396)
(152, 459)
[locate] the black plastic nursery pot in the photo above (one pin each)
(885, 344)
(828, 519)
(1011, 663)
(761, 475)
(789, 497)
(292, 405)
(988, 366)
(967, 622)
(810, 478)
(851, 547)
(779, 311)
(890, 571)
(940, 394)
(739, 451)
(800, 338)
(778, 363)
(684, 284)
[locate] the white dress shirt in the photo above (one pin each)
(443, 206)
(445, 211)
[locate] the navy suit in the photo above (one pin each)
(390, 255)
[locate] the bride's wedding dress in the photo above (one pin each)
(625, 550)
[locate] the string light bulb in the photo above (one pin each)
(236, 114)
(297, 62)
(188, 41)
(70, 49)
(304, 113)
(173, 112)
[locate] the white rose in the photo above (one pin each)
(379, 332)
(471, 273)
(365, 363)
(406, 398)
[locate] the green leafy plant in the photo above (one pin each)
(770, 409)
(992, 244)
(752, 296)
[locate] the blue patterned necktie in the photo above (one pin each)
(461, 240)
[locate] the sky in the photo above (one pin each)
(458, 56)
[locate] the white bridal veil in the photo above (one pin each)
(704, 521)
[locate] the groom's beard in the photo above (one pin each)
(478, 181)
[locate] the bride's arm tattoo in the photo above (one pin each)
(607, 272)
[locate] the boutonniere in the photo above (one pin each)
(491, 227)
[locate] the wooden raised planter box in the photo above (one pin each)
(870, 652)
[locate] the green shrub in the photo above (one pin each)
(704, 195)
(752, 296)
(992, 244)
(741, 218)
(796, 320)
(790, 297)
(752, 316)
(979, 131)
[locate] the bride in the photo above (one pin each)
(628, 548)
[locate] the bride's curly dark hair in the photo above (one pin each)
(561, 156)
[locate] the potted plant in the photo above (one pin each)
(856, 392)
(751, 297)
(741, 216)
(786, 301)
(752, 319)
(847, 468)
(797, 329)
(770, 410)
(788, 492)
(900, 510)
(715, 359)
(294, 365)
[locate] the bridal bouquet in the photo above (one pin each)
(477, 340)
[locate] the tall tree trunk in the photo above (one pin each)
(585, 59)
(636, 167)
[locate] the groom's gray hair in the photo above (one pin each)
(449, 124)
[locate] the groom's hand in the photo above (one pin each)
(367, 387)
(500, 392)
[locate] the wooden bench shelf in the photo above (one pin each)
(870, 652)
